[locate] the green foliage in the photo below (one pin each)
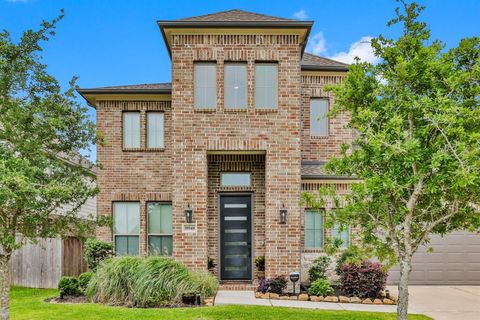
(352, 254)
(320, 287)
(319, 268)
(260, 263)
(83, 281)
(69, 286)
(95, 251)
(146, 282)
(42, 130)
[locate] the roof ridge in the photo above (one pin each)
(204, 17)
(329, 59)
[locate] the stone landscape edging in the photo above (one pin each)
(336, 299)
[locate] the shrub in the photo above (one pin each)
(95, 251)
(319, 268)
(277, 284)
(262, 285)
(320, 287)
(69, 286)
(146, 282)
(260, 263)
(83, 281)
(366, 280)
(113, 282)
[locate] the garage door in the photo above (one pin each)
(455, 260)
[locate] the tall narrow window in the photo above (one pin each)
(342, 234)
(131, 130)
(235, 86)
(318, 117)
(266, 85)
(155, 130)
(313, 229)
(205, 86)
(160, 229)
(126, 218)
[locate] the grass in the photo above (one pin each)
(28, 304)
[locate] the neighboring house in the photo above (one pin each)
(41, 264)
(212, 165)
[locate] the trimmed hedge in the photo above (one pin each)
(69, 286)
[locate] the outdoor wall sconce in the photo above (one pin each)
(294, 277)
(188, 214)
(283, 215)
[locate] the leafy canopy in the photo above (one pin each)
(42, 130)
(416, 150)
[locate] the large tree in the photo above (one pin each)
(416, 150)
(43, 180)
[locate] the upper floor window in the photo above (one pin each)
(155, 130)
(126, 220)
(313, 229)
(266, 85)
(205, 85)
(160, 228)
(235, 86)
(131, 130)
(318, 117)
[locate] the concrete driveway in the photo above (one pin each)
(445, 302)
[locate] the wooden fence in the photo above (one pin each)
(42, 264)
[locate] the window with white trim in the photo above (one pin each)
(131, 130)
(126, 219)
(266, 85)
(160, 239)
(155, 130)
(205, 90)
(235, 86)
(318, 117)
(314, 229)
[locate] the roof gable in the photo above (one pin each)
(235, 15)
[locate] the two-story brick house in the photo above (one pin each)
(211, 165)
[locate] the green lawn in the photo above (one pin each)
(28, 304)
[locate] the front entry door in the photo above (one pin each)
(236, 237)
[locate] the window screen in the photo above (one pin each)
(160, 229)
(155, 130)
(318, 117)
(235, 86)
(126, 217)
(131, 129)
(205, 86)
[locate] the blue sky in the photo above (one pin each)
(118, 42)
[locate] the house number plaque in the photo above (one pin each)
(189, 228)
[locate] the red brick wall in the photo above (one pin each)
(134, 175)
(277, 132)
(321, 148)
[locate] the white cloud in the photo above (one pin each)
(317, 44)
(300, 15)
(361, 48)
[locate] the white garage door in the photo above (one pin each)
(455, 260)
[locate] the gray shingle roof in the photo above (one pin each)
(313, 62)
(235, 15)
(316, 170)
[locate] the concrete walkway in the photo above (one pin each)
(438, 302)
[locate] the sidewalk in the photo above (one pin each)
(248, 298)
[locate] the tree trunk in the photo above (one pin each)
(4, 288)
(402, 307)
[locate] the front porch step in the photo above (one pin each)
(238, 285)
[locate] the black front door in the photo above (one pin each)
(236, 237)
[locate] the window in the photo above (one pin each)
(266, 85)
(131, 130)
(126, 218)
(318, 117)
(313, 229)
(235, 86)
(160, 229)
(155, 130)
(342, 234)
(205, 86)
(237, 179)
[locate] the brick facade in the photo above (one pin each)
(200, 144)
